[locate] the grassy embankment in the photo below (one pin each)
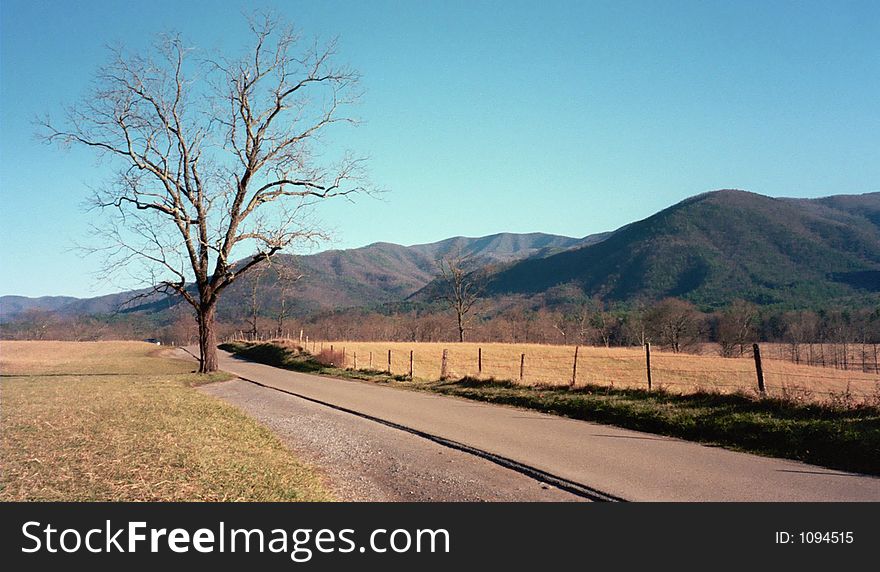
(118, 421)
(838, 434)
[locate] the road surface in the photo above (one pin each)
(369, 461)
(593, 461)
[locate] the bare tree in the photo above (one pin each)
(463, 287)
(253, 280)
(674, 322)
(181, 330)
(636, 324)
(284, 277)
(562, 323)
(737, 327)
(216, 159)
(603, 321)
(800, 327)
(36, 323)
(575, 323)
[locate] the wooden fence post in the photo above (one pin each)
(648, 362)
(479, 361)
(443, 365)
(876, 369)
(758, 369)
(389, 362)
(343, 357)
(371, 360)
(574, 368)
(355, 357)
(410, 364)
(522, 365)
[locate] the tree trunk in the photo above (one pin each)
(282, 312)
(460, 327)
(207, 340)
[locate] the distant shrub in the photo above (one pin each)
(330, 358)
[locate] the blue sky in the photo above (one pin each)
(483, 117)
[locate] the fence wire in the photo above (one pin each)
(533, 364)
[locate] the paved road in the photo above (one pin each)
(369, 461)
(617, 462)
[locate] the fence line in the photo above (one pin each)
(847, 356)
(533, 364)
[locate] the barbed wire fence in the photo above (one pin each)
(771, 375)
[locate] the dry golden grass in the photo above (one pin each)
(89, 358)
(116, 421)
(617, 367)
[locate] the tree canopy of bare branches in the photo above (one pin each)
(674, 323)
(463, 287)
(285, 277)
(737, 327)
(216, 159)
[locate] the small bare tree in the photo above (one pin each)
(284, 277)
(216, 159)
(802, 327)
(574, 323)
(462, 288)
(736, 327)
(636, 324)
(675, 323)
(603, 321)
(253, 280)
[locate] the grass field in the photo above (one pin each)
(118, 421)
(843, 434)
(612, 367)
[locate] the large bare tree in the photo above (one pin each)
(216, 159)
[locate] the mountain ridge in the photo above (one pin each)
(373, 274)
(717, 246)
(709, 249)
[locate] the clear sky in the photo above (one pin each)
(482, 117)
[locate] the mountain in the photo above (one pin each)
(709, 249)
(123, 302)
(368, 276)
(385, 272)
(13, 305)
(718, 246)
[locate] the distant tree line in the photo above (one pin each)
(675, 324)
(829, 337)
